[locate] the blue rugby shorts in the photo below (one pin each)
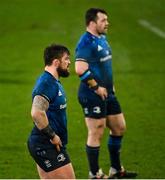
(47, 157)
(95, 107)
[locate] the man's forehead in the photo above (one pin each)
(65, 55)
(102, 15)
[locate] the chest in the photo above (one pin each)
(59, 102)
(102, 48)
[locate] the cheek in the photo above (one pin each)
(62, 65)
(103, 25)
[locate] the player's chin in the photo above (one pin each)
(105, 30)
(68, 71)
(65, 73)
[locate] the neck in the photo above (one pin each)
(52, 71)
(92, 31)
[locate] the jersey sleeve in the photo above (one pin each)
(46, 90)
(83, 53)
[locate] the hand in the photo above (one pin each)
(102, 92)
(57, 142)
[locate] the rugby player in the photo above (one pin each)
(48, 139)
(97, 96)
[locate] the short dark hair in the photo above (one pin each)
(91, 14)
(54, 51)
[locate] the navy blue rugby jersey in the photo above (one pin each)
(97, 53)
(50, 88)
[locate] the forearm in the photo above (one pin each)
(42, 123)
(40, 119)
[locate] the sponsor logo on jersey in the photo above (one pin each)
(63, 106)
(61, 157)
(106, 58)
(97, 110)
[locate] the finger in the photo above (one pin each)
(103, 98)
(105, 94)
(60, 143)
(58, 148)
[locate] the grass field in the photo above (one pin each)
(27, 26)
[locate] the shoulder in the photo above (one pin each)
(50, 83)
(46, 80)
(86, 40)
(47, 86)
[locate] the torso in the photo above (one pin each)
(97, 53)
(48, 86)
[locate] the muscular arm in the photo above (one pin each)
(80, 68)
(38, 111)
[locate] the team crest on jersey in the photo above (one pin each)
(99, 48)
(59, 93)
(97, 110)
(61, 157)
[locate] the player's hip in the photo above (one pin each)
(47, 157)
(93, 106)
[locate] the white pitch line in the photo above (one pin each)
(152, 28)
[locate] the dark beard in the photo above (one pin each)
(102, 33)
(62, 72)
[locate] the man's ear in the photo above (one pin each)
(93, 23)
(56, 62)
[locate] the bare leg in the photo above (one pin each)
(64, 172)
